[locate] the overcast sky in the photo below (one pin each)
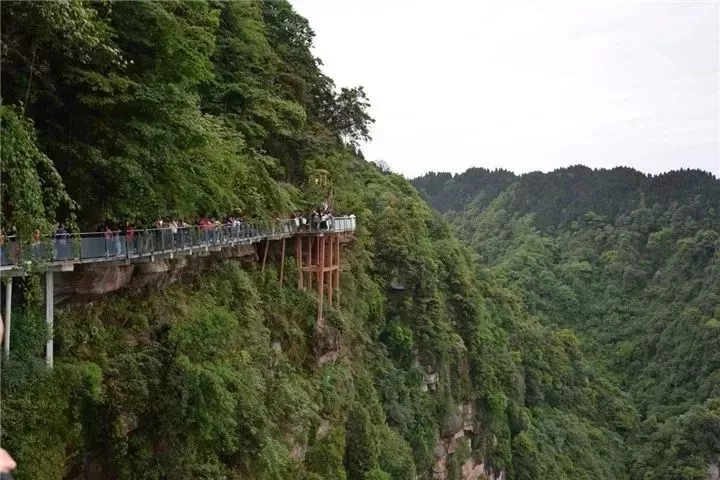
(529, 85)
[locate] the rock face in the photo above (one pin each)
(398, 280)
(327, 345)
(92, 280)
(458, 431)
(96, 279)
(713, 471)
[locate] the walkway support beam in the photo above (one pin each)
(8, 312)
(49, 314)
(321, 278)
(298, 259)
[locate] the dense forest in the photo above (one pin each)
(570, 345)
(630, 263)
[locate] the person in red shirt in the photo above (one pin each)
(130, 240)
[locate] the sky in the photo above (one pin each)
(526, 85)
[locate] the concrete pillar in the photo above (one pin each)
(8, 311)
(49, 313)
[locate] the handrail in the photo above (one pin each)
(87, 247)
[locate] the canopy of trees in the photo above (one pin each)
(630, 263)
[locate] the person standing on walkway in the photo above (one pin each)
(108, 239)
(130, 239)
(61, 242)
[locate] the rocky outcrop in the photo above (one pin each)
(398, 280)
(327, 343)
(713, 471)
(472, 470)
(92, 280)
(457, 432)
(97, 279)
(430, 381)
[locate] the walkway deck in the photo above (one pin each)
(147, 245)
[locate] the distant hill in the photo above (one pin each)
(568, 193)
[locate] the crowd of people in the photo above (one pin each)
(167, 233)
(319, 218)
(116, 238)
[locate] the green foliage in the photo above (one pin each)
(32, 191)
(395, 456)
(376, 474)
(326, 457)
(639, 286)
(190, 108)
(361, 448)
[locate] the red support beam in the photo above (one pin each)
(321, 277)
(332, 274)
(337, 268)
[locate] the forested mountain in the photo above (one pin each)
(135, 110)
(631, 263)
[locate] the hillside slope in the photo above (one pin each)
(629, 262)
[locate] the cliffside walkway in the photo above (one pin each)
(57, 254)
(317, 255)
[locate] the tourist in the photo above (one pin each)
(37, 245)
(173, 232)
(108, 239)
(61, 236)
(130, 240)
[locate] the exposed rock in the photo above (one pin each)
(323, 429)
(329, 357)
(459, 429)
(92, 279)
(127, 423)
(327, 345)
(452, 426)
(440, 467)
(440, 450)
(713, 471)
(96, 279)
(299, 450)
(241, 251)
(430, 380)
(467, 412)
(472, 470)
(157, 266)
(397, 281)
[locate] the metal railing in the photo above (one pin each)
(102, 246)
